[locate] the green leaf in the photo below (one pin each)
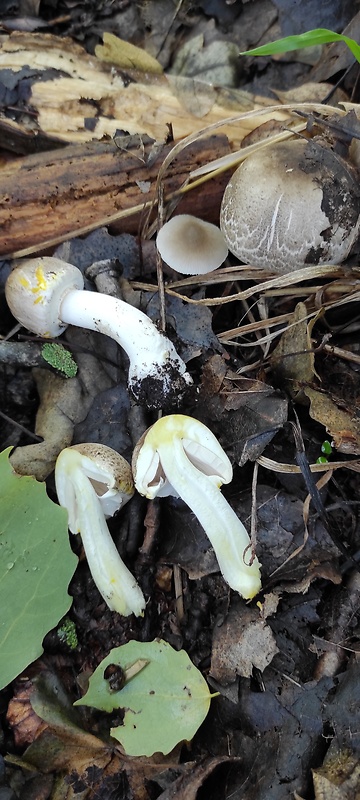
(165, 702)
(326, 447)
(308, 39)
(36, 565)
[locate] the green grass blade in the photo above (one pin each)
(308, 39)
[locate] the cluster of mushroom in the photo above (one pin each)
(289, 205)
(178, 455)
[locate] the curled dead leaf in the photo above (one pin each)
(126, 55)
(341, 424)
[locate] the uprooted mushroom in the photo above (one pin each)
(180, 456)
(92, 483)
(46, 294)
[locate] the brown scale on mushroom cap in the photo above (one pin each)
(290, 205)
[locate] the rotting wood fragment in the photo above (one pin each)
(46, 198)
(77, 97)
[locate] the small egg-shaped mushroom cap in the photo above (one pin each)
(35, 290)
(190, 245)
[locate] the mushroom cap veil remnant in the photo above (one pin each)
(291, 204)
(92, 483)
(180, 456)
(190, 245)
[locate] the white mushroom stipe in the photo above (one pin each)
(46, 294)
(92, 483)
(190, 245)
(180, 456)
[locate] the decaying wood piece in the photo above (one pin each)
(74, 97)
(88, 99)
(49, 197)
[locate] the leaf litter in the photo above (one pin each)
(285, 673)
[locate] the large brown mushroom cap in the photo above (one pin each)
(290, 205)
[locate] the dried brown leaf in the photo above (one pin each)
(198, 98)
(341, 424)
(126, 55)
(244, 641)
(339, 778)
(21, 717)
(54, 422)
(190, 782)
(293, 358)
(64, 746)
(253, 410)
(308, 91)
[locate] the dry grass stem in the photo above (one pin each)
(277, 466)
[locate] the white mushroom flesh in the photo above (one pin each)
(180, 456)
(92, 482)
(45, 295)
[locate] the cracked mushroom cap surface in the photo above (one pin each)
(291, 204)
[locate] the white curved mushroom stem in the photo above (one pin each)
(46, 294)
(179, 455)
(92, 482)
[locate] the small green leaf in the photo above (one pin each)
(58, 357)
(326, 447)
(165, 703)
(36, 565)
(308, 39)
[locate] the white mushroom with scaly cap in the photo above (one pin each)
(290, 205)
(92, 483)
(180, 456)
(46, 294)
